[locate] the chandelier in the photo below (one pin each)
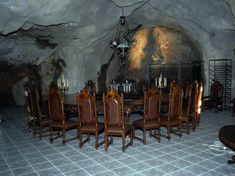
(123, 40)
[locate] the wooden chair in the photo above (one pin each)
(215, 99)
(88, 117)
(150, 121)
(189, 112)
(29, 105)
(174, 115)
(58, 121)
(187, 108)
(41, 120)
(198, 105)
(115, 122)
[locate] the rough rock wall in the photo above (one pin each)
(79, 30)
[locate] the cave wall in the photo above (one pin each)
(79, 31)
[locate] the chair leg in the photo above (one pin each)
(51, 135)
(133, 132)
(96, 141)
(88, 137)
(78, 136)
(106, 142)
(188, 129)
(111, 140)
(159, 134)
(168, 133)
(144, 136)
(180, 131)
(232, 160)
(80, 141)
(131, 138)
(123, 143)
(63, 136)
(40, 132)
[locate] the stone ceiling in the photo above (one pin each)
(79, 31)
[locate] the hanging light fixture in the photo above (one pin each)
(123, 40)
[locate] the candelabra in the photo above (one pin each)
(161, 82)
(63, 85)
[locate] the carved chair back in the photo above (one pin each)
(175, 102)
(199, 98)
(86, 107)
(56, 106)
(194, 97)
(217, 91)
(152, 101)
(113, 108)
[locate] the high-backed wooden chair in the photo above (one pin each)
(115, 122)
(189, 112)
(38, 119)
(58, 121)
(173, 117)
(29, 105)
(215, 99)
(187, 108)
(150, 121)
(198, 105)
(41, 120)
(88, 117)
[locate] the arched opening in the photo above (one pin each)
(159, 50)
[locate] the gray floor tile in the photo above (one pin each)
(105, 173)
(18, 164)
(225, 170)
(196, 169)
(193, 158)
(61, 161)
(4, 167)
(168, 168)
(167, 158)
(95, 169)
(192, 154)
(54, 156)
(23, 170)
(85, 163)
(6, 173)
(211, 173)
(112, 164)
(140, 166)
(154, 162)
(182, 172)
(209, 164)
(123, 171)
(153, 171)
(36, 160)
(68, 167)
(42, 166)
(78, 157)
(128, 160)
(49, 172)
(180, 163)
(77, 173)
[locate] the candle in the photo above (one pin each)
(67, 84)
(160, 82)
(62, 81)
(58, 83)
(156, 81)
(164, 82)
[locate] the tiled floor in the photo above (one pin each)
(194, 154)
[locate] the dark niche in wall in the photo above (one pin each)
(153, 43)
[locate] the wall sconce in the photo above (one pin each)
(63, 85)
